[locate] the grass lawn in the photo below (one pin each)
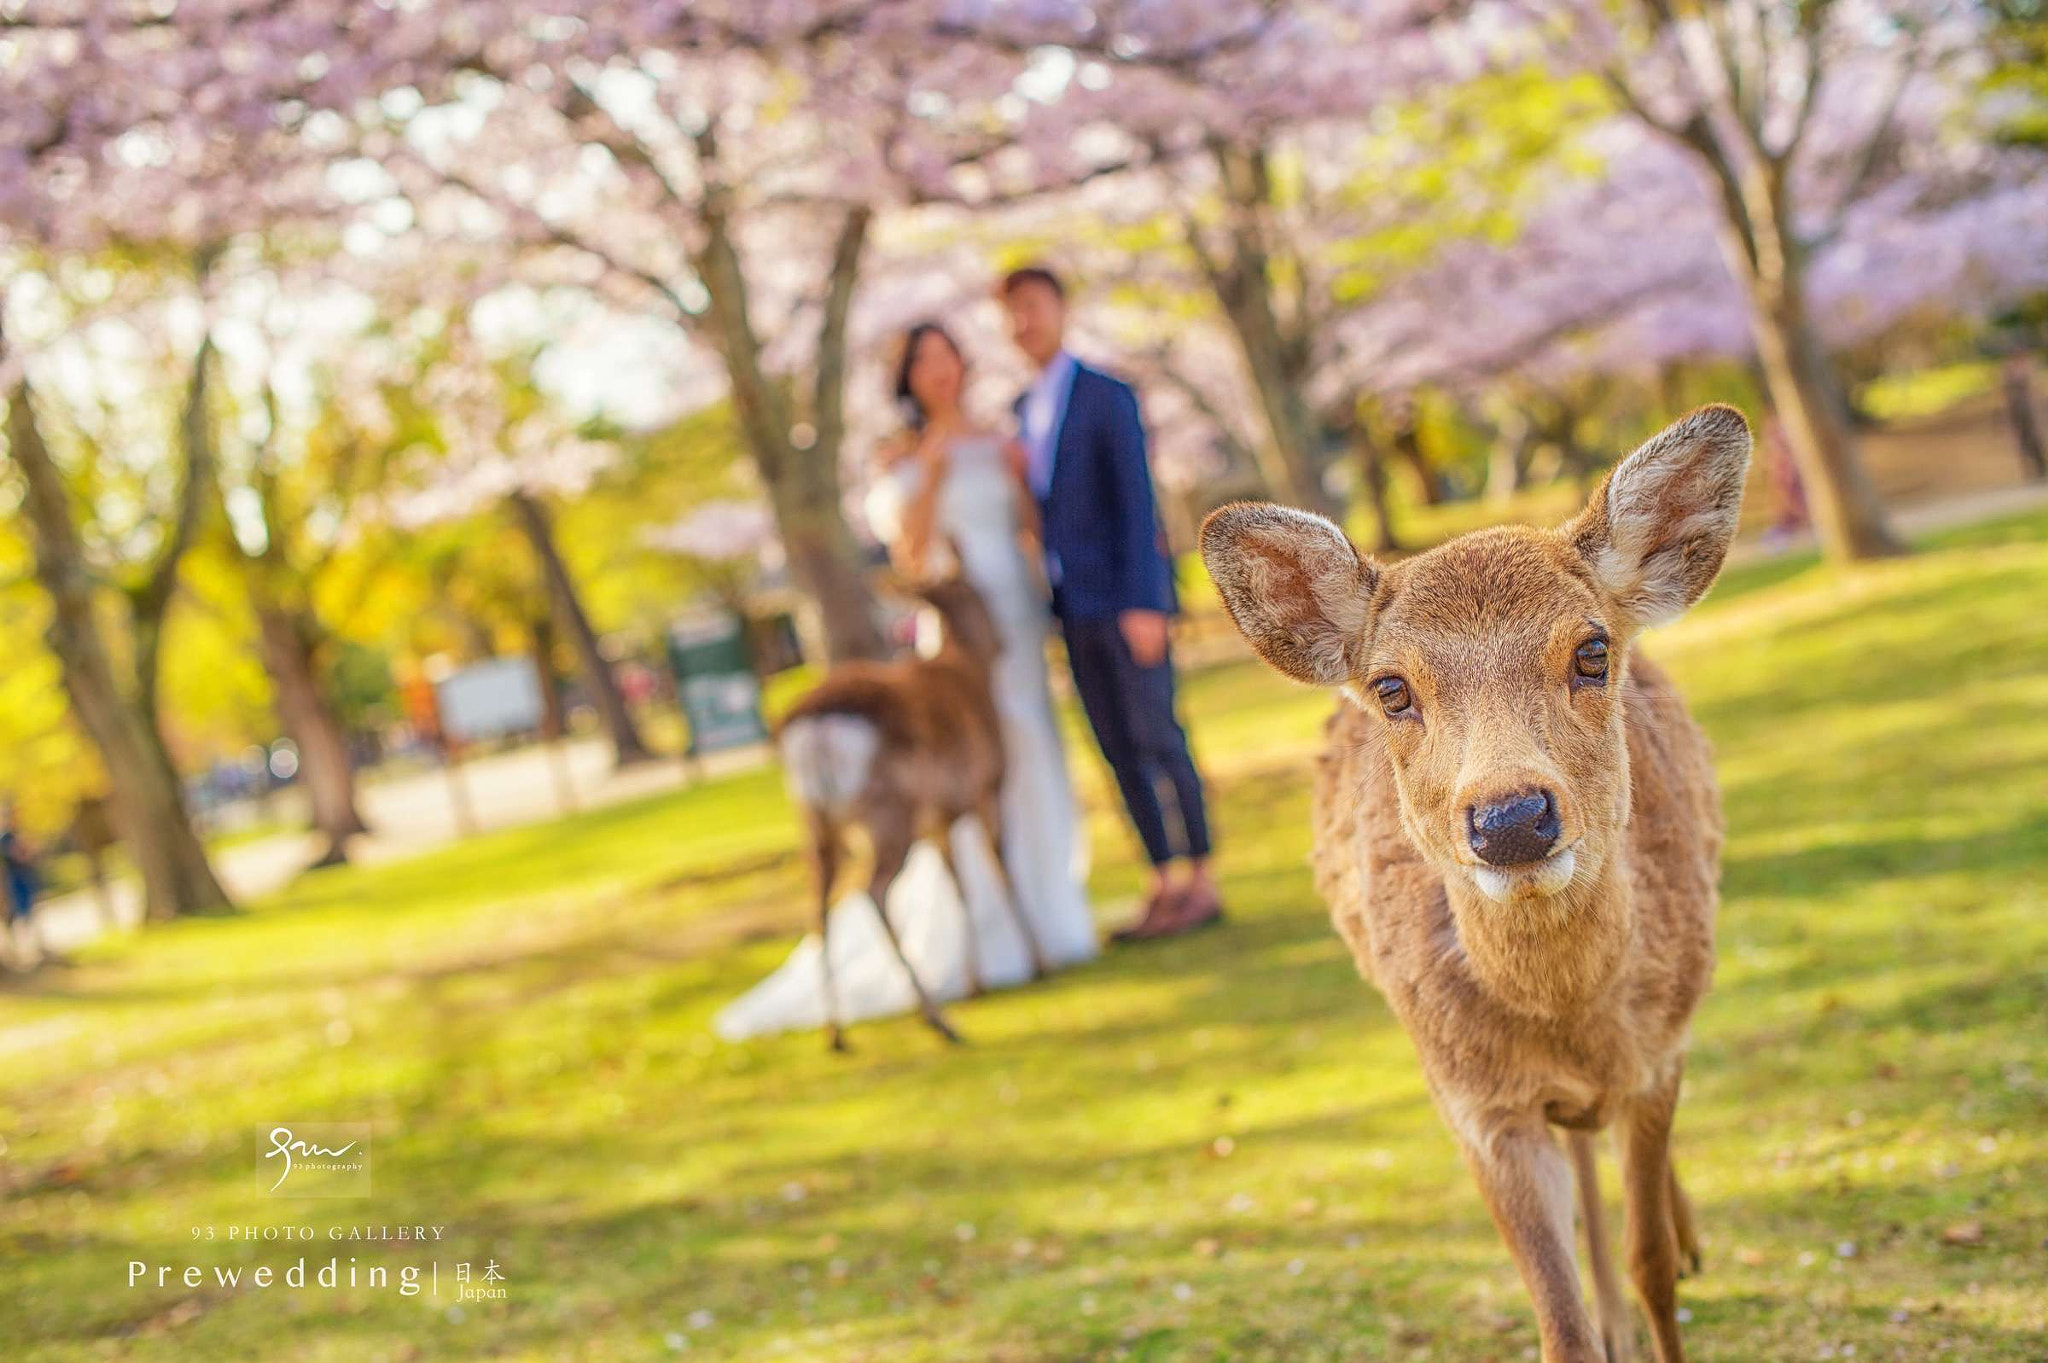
(1214, 1149)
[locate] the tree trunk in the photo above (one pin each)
(627, 747)
(1848, 516)
(1287, 457)
(801, 475)
(1765, 253)
(554, 725)
(326, 769)
(2017, 379)
(1275, 355)
(1670, 392)
(148, 801)
(1372, 481)
(1409, 443)
(819, 547)
(1507, 458)
(288, 637)
(92, 833)
(1503, 473)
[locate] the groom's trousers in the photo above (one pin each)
(1131, 710)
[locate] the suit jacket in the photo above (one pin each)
(1099, 519)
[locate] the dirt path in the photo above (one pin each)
(1919, 518)
(409, 814)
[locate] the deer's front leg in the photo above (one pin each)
(1527, 1184)
(1610, 1308)
(1646, 1185)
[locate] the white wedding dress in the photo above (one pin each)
(1043, 844)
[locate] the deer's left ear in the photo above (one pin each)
(1298, 590)
(1656, 531)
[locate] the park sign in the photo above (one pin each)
(715, 683)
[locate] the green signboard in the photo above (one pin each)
(715, 682)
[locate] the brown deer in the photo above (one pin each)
(904, 749)
(1518, 833)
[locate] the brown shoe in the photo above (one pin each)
(1195, 907)
(1161, 909)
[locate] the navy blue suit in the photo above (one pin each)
(1107, 554)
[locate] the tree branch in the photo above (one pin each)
(582, 110)
(555, 234)
(762, 408)
(828, 401)
(151, 601)
(1812, 21)
(1871, 155)
(1184, 61)
(195, 431)
(1161, 359)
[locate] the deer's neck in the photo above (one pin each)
(1549, 958)
(958, 658)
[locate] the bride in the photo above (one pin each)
(950, 486)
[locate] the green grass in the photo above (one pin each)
(1927, 392)
(1213, 1149)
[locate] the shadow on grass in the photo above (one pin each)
(1831, 868)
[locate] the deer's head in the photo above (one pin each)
(1496, 661)
(964, 618)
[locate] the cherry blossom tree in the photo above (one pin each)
(114, 682)
(129, 136)
(301, 446)
(723, 167)
(1806, 119)
(1623, 273)
(1282, 181)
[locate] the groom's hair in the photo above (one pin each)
(1032, 274)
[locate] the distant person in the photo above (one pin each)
(1112, 592)
(1790, 515)
(20, 871)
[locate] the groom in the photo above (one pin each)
(1112, 590)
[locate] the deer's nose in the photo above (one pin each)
(1511, 832)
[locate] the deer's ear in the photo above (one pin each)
(1295, 586)
(1656, 531)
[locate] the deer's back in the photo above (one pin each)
(939, 746)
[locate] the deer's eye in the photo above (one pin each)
(1589, 664)
(1393, 695)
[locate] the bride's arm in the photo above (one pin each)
(903, 505)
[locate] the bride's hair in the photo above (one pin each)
(913, 411)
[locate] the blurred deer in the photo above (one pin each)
(905, 750)
(1518, 833)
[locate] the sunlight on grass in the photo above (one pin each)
(1217, 1148)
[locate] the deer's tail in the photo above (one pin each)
(827, 759)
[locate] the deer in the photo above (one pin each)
(1517, 831)
(904, 750)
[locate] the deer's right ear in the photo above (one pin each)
(1298, 590)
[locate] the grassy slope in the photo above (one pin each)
(1211, 1149)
